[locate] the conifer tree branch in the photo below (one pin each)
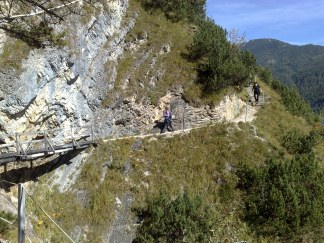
(44, 10)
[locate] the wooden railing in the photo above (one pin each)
(36, 144)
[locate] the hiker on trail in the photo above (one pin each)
(167, 120)
(257, 91)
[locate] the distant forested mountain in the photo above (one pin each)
(300, 66)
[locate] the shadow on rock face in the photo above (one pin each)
(32, 173)
(157, 127)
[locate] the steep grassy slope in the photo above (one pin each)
(203, 162)
(155, 58)
(300, 66)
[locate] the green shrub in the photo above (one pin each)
(58, 39)
(297, 143)
(284, 198)
(177, 10)
(319, 131)
(38, 35)
(296, 104)
(4, 226)
(183, 219)
(291, 97)
(14, 51)
(220, 63)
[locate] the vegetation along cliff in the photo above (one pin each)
(232, 171)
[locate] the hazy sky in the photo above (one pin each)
(294, 21)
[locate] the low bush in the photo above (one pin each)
(291, 97)
(285, 197)
(177, 10)
(183, 219)
(297, 143)
(4, 226)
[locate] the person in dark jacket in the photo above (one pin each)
(256, 91)
(167, 120)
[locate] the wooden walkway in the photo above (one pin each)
(37, 144)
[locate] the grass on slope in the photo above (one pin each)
(273, 119)
(152, 67)
(202, 162)
(156, 60)
(13, 52)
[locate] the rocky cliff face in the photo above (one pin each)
(61, 86)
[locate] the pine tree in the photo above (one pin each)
(286, 197)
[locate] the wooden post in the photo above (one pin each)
(183, 117)
(48, 145)
(73, 144)
(246, 111)
(92, 135)
(17, 143)
(21, 213)
(45, 141)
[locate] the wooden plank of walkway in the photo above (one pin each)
(24, 150)
(37, 153)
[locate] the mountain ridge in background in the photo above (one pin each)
(300, 66)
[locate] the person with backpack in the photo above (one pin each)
(256, 91)
(167, 120)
